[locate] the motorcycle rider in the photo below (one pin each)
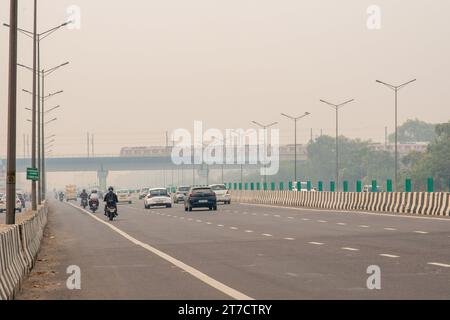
(83, 196)
(111, 199)
(93, 197)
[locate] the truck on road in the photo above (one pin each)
(71, 192)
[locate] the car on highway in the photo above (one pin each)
(3, 204)
(157, 197)
(21, 196)
(222, 193)
(180, 193)
(303, 186)
(143, 193)
(124, 196)
(368, 188)
(200, 197)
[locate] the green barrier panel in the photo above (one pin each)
(299, 186)
(272, 186)
(246, 186)
(408, 186)
(430, 185)
(345, 186)
(389, 185)
(358, 186)
(240, 185)
(374, 186)
(281, 186)
(320, 186)
(332, 186)
(252, 186)
(309, 185)
(290, 185)
(258, 186)
(235, 186)
(265, 186)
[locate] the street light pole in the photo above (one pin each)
(265, 127)
(337, 107)
(295, 119)
(12, 117)
(396, 90)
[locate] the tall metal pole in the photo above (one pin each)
(295, 152)
(33, 137)
(337, 149)
(40, 125)
(43, 177)
(396, 141)
(12, 118)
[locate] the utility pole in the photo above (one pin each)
(87, 144)
(92, 142)
(12, 117)
(337, 107)
(295, 119)
(396, 90)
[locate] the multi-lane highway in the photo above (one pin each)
(245, 251)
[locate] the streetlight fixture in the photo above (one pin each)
(37, 37)
(337, 107)
(265, 127)
(396, 90)
(12, 117)
(40, 126)
(295, 119)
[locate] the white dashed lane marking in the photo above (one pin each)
(267, 235)
(389, 255)
(220, 225)
(322, 221)
(249, 231)
(305, 219)
(316, 243)
(289, 239)
(439, 264)
(421, 232)
(233, 228)
(350, 249)
(341, 223)
(363, 226)
(390, 229)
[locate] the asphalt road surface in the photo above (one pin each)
(242, 252)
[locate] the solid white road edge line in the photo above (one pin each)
(345, 211)
(192, 271)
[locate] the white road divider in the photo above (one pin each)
(415, 203)
(19, 246)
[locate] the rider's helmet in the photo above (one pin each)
(111, 189)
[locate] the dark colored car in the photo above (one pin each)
(200, 197)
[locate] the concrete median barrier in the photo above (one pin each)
(416, 203)
(19, 246)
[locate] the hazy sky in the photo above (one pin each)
(141, 67)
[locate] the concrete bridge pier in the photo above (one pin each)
(102, 176)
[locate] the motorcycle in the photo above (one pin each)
(84, 203)
(61, 197)
(111, 212)
(93, 204)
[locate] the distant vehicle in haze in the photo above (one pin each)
(157, 197)
(71, 192)
(143, 193)
(368, 188)
(123, 196)
(18, 204)
(303, 186)
(21, 196)
(200, 197)
(180, 193)
(222, 193)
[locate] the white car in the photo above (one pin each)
(180, 193)
(222, 193)
(3, 204)
(303, 185)
(124, 196)
(158, 197)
